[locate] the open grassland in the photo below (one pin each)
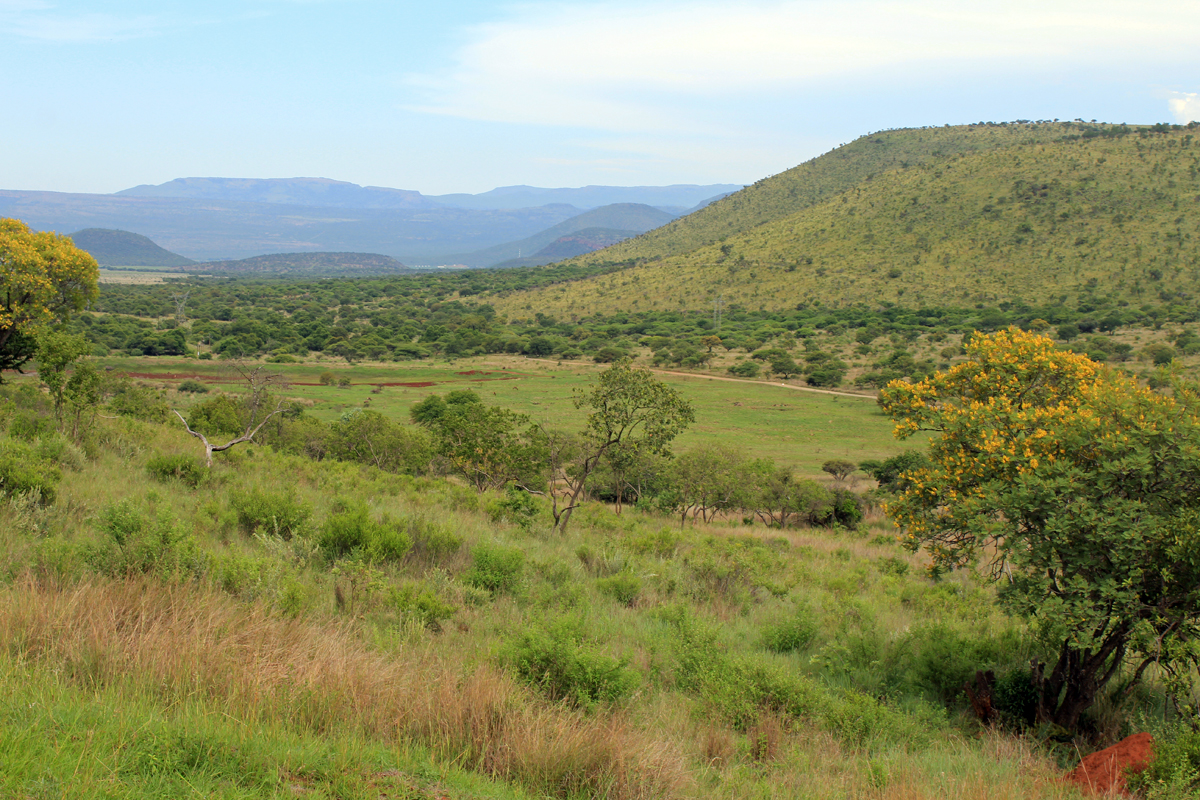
(165, 636)
(767, 418)
(117, 275)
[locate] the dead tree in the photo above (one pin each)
(259, 383)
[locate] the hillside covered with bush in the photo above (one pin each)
(1035, 213)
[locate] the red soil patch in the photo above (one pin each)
(175, 376)
(414, 385)
(1104, 772)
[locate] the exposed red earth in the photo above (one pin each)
(1103, 772)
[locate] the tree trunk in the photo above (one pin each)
(1078, 678)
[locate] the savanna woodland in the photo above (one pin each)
(879, 478)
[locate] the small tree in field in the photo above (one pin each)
(1075, 489)
(629, 408)
(839, 468)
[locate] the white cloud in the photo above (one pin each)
(618, 67)
(1185, 106)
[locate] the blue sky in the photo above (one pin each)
(463, 96)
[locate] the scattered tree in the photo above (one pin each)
(629, 406)
(839, 468)
(1076, 488)
(43, 279)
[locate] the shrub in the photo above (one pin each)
(515, 506)
(22, 472)
(217, 416)
(432, 542)
(134, 400)
(744, 369)
(845, 509)
(327, 378)
(1174, 774)
(135, 542)
(558, 661)
(791, 634)
(178, 467)
(421, 604)
(60, 451)
(624, 587)
(30, 426)
(192, 386)
(1015, 695)
(351, 531)
(272, 512)
(495, 567)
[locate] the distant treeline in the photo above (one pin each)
(413, 317)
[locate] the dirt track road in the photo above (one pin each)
(870, 397)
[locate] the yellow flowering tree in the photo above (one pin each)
(43, 278)
(1074, 488)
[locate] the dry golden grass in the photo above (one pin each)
(183, 642)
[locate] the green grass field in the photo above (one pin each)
(798, 428)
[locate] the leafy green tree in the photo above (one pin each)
(744, 369)
(43, 279)
(839, 468)
(368, 437)
(629, 406)
(709, 480)
(892, 473)
(1075, 488)
(490, 446)
(778, 496)
(56, 352)
(784, 366)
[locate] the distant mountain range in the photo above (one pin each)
(677, 199)
(326, 193)
(208, 219)
(634, 218)
(320, 192)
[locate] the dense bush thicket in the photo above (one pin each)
(413, 317)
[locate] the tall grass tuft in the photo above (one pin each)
(184, 641)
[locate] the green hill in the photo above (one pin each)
(574, 244)
(632, 217)
(970, 215)
(114, 248)
(307, 265)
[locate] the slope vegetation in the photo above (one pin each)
(1022, 216)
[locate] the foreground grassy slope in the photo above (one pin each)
(164, 619)
(1036, 221)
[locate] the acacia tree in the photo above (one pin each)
(630, 407)
(709, 480)
(43, 278)
(1078, 491)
